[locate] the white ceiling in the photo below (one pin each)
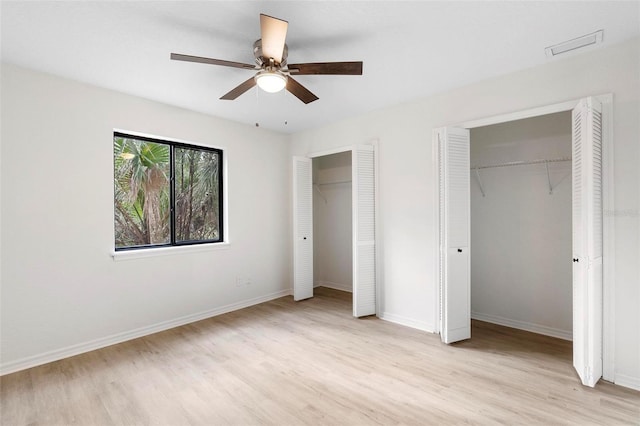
(410, 49)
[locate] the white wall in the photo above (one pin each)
(521, 235)
(407, 194)
(61, 290)
(332, 222)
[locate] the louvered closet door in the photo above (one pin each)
(302, 229)
(364, 224)
(454, 234)
(587, 240)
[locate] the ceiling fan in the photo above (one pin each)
(274, 73)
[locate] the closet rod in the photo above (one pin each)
(521, 163)
(334, 183)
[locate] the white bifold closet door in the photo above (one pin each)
(587, 240)
(364, 232)
(302, 228)
(454, 215)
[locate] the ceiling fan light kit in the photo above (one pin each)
(271, 81)
(274, 74)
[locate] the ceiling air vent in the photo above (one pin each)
(576, 43)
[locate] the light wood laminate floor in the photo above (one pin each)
(311, 362)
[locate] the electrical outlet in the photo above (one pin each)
(242, 281)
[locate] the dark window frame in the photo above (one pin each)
(172, 201)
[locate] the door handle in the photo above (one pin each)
(304, 238)
(459, 250)
(576, 260)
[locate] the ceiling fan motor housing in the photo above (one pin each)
(263, 61)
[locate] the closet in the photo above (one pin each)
(515, 262)
(332, 221)
(521, 224)
(345, 172)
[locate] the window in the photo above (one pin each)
(165, 193)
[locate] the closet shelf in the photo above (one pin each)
(521, 163)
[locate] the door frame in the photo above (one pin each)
(352, 148)
(608, 242)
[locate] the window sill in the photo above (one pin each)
(167, 251)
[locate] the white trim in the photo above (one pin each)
(166, 251)
(627, 381)
(331, 151)
(523, 325)
(336, 286)
(378, 222)
(529, 113)
(435, 142)
(407, 322)
(168, 139)
(80, 348)
(225, 197)
(608, 241)
(521, 115)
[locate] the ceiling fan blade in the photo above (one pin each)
(334, 68)
(240, 89)
(189, 58)
(274, 33)
(299, 91)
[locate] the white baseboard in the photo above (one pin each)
(522, 325)
(335, 286)
(409, 322)
(627, 381)
(58, 354)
